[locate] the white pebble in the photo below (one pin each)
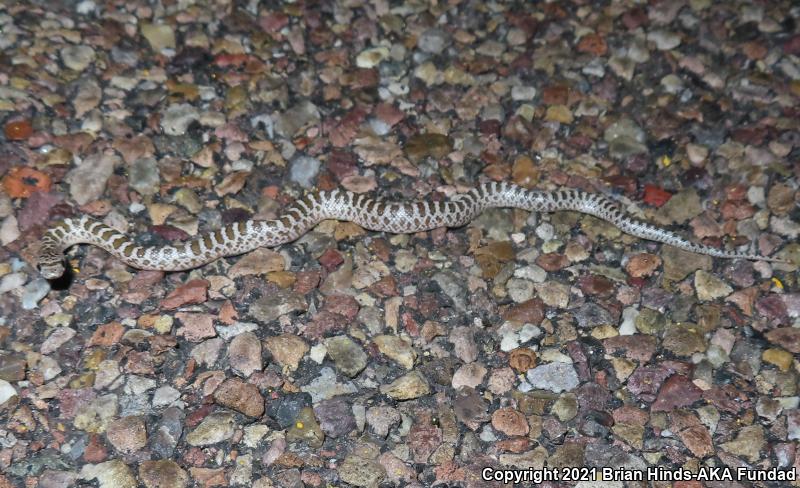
(7, 391)
(12, 282)
(628, 326)
(86, 7)
(9, 230)
(545, 231)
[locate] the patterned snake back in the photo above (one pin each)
(377, 215)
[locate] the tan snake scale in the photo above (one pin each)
(377, 215)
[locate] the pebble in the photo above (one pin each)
(7, 392)
(407, 387)
(469, 375)
(559, 113)
(396, 349)
(127, 434)
(793, 425)
(553, 294)
(348, 356)
(33, 292)
(642, 265)
(696, 153)
(196, 326)
(216, 427)
(622, 66)
(12, 281)
(303, 170)
(164, 473)
(522, 359)
(177, 117)
(362, 472)
(566, 407)
(297, 117)
(57, 479)
(306, 429)
(244, 354)
(229, 332)
(165, 396)
(510, 422)
(768, 408)
(422, 146)
(260, 261)
(144, 177)
(780, 358)
(243, 397)
(285, 409)
(519, 290)
(382, 419)
(110, 474)
(9, 231)
(464, 345)
(243, 472)
(207, 352)
(88, 180)
(664, 40)
(748, 443)
(56, 339)
(325, 386)
(12, 367)
(681, 207)
(590, 315)
(433, 41)
(625, 138)
(287, 350)
(684, 339)
(77, 58)
(709, 287)
(369, 58)
(679, 264)
(677, 392)
(523, 93)
(159, 36)
(277, 303)
(555, 377)
(335, 417)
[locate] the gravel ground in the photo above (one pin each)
(354, 358)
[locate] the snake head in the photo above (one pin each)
(51, 256)
(51, 270)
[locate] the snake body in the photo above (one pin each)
(372, 214)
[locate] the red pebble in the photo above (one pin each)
(656, 196)
(331, 259)
(18, 130)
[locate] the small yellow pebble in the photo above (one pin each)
(92, 360)
(780, 358)
(604, 332)
(299, 425)
(666, 160)
(163, 324)
(777, 283)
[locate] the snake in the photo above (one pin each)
(396, 217)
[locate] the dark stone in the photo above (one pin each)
(335, 417)
(285, 409)
(168, 432)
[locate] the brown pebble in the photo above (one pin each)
(510, 422)
(522, 359)
(642, 265)
(240, 396)
(194, 291)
